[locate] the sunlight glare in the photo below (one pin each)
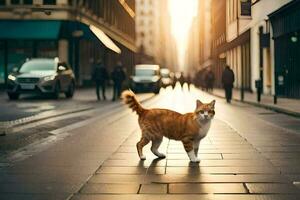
(182, 13)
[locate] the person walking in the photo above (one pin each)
(228, 80)
(100, 76)
(209, 79)
(181, 80)
(189, 81)
(118, 76)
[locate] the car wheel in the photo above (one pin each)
(70, 92)
(56, 91)
(13, 96)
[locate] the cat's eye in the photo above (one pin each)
(212, 112)
(201, 111)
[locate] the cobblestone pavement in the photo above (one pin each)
(243, 157)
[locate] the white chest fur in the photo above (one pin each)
(204, 129)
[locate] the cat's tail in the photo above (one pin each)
(130, 99)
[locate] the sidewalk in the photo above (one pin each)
(284, 105)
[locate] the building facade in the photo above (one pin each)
(146, 29)
(262, 44)
(285, 25)
(218, 41)
(77, 31)
(238, 18)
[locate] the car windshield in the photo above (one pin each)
(145, 72)
(165, 74)
(37, 65)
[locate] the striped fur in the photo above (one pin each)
(130, 99)
(156, 123)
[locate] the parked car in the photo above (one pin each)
(41, 75)
(166, 77)
(146, 78)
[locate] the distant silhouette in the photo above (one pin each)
(118, 76)
(100, 75)
(189, 81)
(209, 79)
(181, 80)
(228, 80)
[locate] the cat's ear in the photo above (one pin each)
(198, 103)
(212, 104)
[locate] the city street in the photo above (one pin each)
(249, 153)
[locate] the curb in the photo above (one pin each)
(268, 107)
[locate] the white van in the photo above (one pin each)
(146, 78)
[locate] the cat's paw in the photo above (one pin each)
(196, 160)
(143, 157)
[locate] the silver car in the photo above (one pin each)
(146, 78)
(41, 75)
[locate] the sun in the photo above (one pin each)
(182, 13)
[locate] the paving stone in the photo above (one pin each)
(153, 189)
(184, 156)
(131, 170)
(221, 170)
(207, 188)
(123, 178)
(272, 188)
(218, 178)
(242, 156)
(220, 163)
(93, 188)
(186, 196)
(135, 163)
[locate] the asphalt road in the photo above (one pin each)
(249, 153)
(30, 104)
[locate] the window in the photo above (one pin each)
(246, 7)
(27, 2)
(15, 2)
(49, 2)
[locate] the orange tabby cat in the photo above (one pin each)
(190, 128)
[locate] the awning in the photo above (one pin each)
(29, 29)
(105, 39)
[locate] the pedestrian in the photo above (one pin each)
(181, 80)
(228, 80)
(118, 76)
(189, 81)
(209, 79)
(100, 76)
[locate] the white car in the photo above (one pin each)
(146, 78)
(41, 75)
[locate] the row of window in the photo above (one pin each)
(142, 23)
(27, 2)
(237, 7)
(142, 2)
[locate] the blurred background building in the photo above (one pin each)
(154, 40)
(77, 31)
(258, 39)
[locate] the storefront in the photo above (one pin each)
(286, 34)
(71, 41)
